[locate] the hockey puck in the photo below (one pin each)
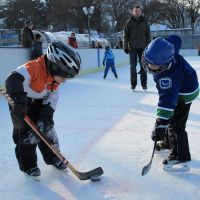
(95, 178)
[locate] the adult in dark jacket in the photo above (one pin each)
(37, 47)
(136, 38)
(27, 36)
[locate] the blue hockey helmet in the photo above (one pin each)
(159, 52)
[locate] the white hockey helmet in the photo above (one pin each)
(63, 60)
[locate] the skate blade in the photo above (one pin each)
(179, 167)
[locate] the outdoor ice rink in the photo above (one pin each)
(103, 123)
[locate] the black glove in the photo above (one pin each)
(126, 51)
(19, 109)
(160, 129)
(103, 63)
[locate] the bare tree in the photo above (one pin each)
(19, 10)
(120, 10)
(64, 14)
(193, 8)
(172, 13)
(58, 14)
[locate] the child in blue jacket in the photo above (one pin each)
(109, 62)
(178, 86)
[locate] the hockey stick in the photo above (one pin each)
(81, 175)
(147, 167)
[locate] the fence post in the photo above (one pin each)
(98, 57)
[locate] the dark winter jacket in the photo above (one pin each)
(136, 33)
(179, 83)
(36, 49)
(27, 37)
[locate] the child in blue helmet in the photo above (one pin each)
(178, 86)
(177, 42)
(109, 62)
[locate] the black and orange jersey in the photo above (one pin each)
(38, 83)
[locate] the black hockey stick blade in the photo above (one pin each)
(147, 167)
(86, 175)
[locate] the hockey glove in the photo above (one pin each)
(160, 129)
(19, 109)
(126, 51)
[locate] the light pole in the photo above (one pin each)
(88, 11)
(113, 25)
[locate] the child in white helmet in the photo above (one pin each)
(34, 89)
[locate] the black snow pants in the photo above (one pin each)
(177, 134)
(26, 140)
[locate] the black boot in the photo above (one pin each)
(59, 164)
(33, 172)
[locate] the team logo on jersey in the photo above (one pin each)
(165, 83)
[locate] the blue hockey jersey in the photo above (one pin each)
(179, 83)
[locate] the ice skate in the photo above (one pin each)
(34, 173)
(176, 165)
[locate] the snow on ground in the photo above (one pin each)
(103, 123)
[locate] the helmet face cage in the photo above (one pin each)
(67, 59)
(161, 68)
(159, 53)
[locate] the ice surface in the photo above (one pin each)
(103, 123)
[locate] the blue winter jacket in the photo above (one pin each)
(179, 83)
(108, 56)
